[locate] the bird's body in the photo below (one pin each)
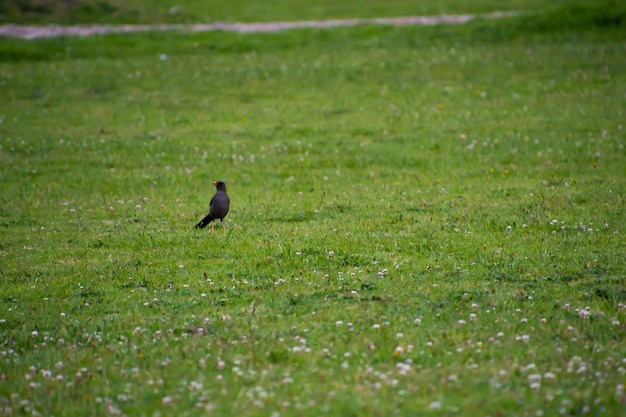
(219, 206)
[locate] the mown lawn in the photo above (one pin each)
(423, 221)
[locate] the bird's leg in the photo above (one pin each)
(223, 225)
(212, 226)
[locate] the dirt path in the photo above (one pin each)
(34, 32)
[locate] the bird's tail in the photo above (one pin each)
(204, 222)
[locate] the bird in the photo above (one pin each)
(220, 203)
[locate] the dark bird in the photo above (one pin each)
(220, 203)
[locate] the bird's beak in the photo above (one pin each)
(215, 183)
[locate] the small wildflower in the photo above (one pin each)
(403, 368)
(436, 405)
(397, 352)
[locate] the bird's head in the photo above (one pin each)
(220, 185)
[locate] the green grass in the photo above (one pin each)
(423, 221)
(202, 11)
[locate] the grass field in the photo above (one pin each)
(423, 220)
(204, 11)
